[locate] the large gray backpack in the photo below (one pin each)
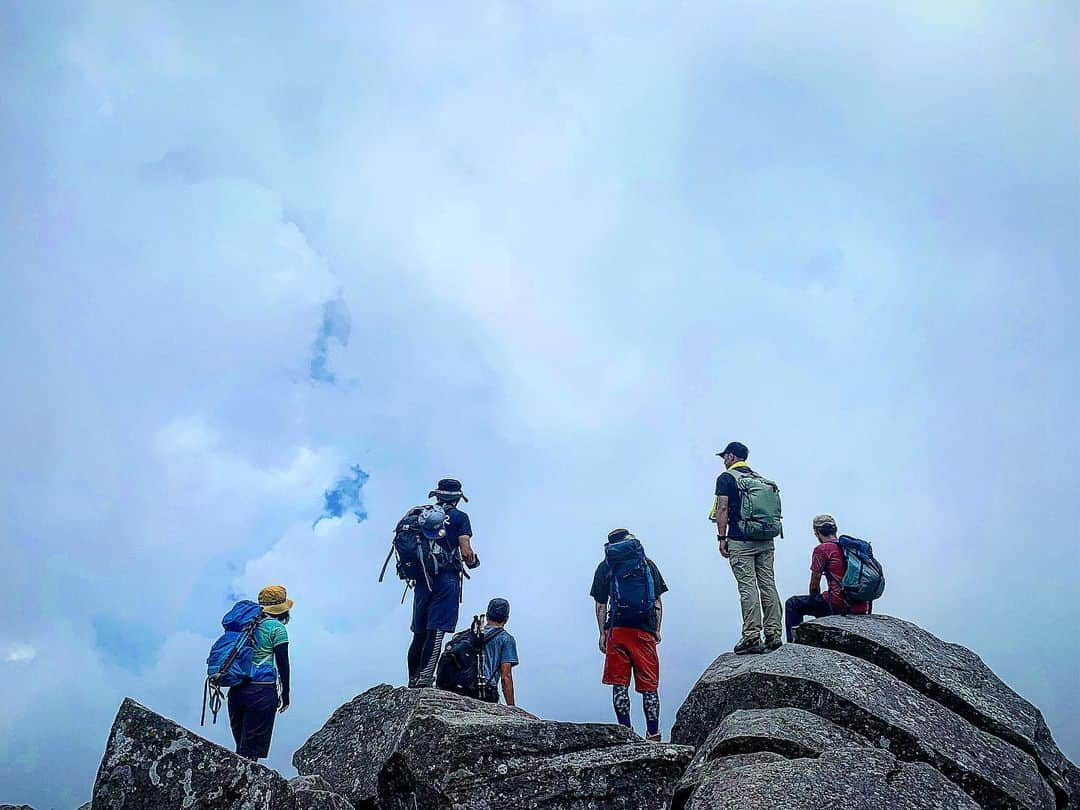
(760, 516)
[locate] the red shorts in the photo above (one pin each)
(629, 649)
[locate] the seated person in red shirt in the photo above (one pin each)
(827, 559)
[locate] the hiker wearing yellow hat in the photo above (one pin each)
(254, 704)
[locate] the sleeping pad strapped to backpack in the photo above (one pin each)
(864, 579)
(229, 662)
(633, 593)
(461, 668)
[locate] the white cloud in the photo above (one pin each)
(19, 654)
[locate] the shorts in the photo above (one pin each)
(436, 608)
(630, 649)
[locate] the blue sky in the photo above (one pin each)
(563, 252)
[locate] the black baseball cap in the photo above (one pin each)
(738, 449)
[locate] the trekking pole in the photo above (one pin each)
(386, 562)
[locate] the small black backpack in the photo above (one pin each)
(461, 668)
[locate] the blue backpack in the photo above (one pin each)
(864, 579)
(633, 593)
(229, 662)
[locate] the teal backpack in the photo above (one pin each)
(760, 516)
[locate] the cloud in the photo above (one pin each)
(561, 254)
(19, 654)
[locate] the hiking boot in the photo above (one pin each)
(749, 646)
(653, 738)
(773, 643)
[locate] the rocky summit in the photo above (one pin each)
(864, 712)
(409, 748)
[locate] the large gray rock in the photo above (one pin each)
(315, 793)
(871, 702)
(950, 674)
(15, 807)
(790, 732)
(852, 778)
(151, 763)
(424, 748)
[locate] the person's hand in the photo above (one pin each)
(603, 643)
(472, 563)
(724, 548)
(283, 704)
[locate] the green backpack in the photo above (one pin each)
(760, 517)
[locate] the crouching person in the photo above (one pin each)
(828, 561)
(500, 654)
(254, 703)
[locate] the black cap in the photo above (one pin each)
(449, 489)
(498, 610)
(615, 535)
(738, 449)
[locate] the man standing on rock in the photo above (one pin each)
(746, 511)
(435, 605)
(630, 626)
(827, 559)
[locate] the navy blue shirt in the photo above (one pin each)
(458, 525)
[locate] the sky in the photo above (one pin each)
(268, 271)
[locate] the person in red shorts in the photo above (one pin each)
(627, 587)
(828, 561)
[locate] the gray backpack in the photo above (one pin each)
(760, 516)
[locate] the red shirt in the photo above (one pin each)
(828, 559)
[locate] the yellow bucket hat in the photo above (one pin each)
(274, 600)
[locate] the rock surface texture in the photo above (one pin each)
(315, 793)
(950, 674)
(422, 748)
(933, 710)
(151, 763)
(863, 713)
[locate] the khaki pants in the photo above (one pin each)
(752, 564)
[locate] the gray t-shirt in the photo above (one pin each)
(499, 649)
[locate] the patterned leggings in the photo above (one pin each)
(650, 703)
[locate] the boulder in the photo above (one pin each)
(789, 732)
(857, 778)
(151, 763)
(950, 674)
(315, 793)
(706, 771)
(425, 748)
(15, 807)
(873, 703)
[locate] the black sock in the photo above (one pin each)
(416, 654)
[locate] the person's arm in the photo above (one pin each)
(722, 523)
(601, 621)
(506, 674)
(281, 658)
(815, 583)
(467, 553)
(659, 617)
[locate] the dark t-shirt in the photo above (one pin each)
(459, 524)
(725, 485)
(601, 591)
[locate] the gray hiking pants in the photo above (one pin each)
(752, 564)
